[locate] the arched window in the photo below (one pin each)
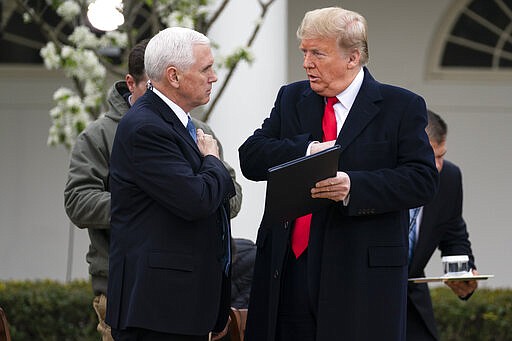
(474, 40)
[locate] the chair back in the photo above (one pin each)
(5, 335)
(237, 324)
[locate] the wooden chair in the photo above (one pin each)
(237, 324)
(5, 335)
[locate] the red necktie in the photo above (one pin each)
(300, 233)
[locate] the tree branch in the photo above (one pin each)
(46, 29)
(264, 8)
(215, 16)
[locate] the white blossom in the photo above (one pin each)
(62, 93)
(91, 87)
(91, 101)
(68, 10)
(55, 112)
(114, 38)
(27, 18)
(73, 103)
(69, 118)
(53, 136)
(50, 56)
(177, 18)
(66, 51)
(84, 65)
(206, 10)
(82, 37)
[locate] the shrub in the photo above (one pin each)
(49, 310)
(486, 316)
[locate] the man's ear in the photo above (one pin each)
(353, 59)
(130, 82)
(172, 76)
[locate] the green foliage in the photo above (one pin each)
(486, 316)
(237, 56)
(49, 310)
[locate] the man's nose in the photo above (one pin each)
(307, 64)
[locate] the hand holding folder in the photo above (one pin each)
(289, 185)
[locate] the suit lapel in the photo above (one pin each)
(170, 117)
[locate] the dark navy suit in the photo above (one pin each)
(443, 227)
(357, 255)
(168, 234)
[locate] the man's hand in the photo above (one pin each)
(207, 144)
(463, 288)
(318, 147)
(336, 188)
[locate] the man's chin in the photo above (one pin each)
(316, 88)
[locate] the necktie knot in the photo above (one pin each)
(331, 101)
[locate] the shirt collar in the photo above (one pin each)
(348, 96)
(182, 115)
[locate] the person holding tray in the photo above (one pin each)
(442, 226)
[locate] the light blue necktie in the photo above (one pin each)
(192, 129)
(413, 214)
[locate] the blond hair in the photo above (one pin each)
(348, 27)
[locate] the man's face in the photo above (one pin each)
(327, 66)
(195, 83)
(137, 89)
(439, 153)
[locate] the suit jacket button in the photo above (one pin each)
(276, 274)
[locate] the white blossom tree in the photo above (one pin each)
(87, 56)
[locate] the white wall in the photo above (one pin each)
(34, 230)
(478, 114)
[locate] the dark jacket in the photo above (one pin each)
(241, 276)
(443, 227)
(168, 226)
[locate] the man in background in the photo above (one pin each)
(87, 191)
(440, 226)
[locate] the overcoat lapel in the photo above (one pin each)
(362, 112)
(311, 110)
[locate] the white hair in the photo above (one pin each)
(172, 46)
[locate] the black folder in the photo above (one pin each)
(289, 185)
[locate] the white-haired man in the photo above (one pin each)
(169, 253)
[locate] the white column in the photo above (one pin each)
(250, 95)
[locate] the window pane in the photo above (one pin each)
(456, 55)
(469, 29)
(491, 12)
